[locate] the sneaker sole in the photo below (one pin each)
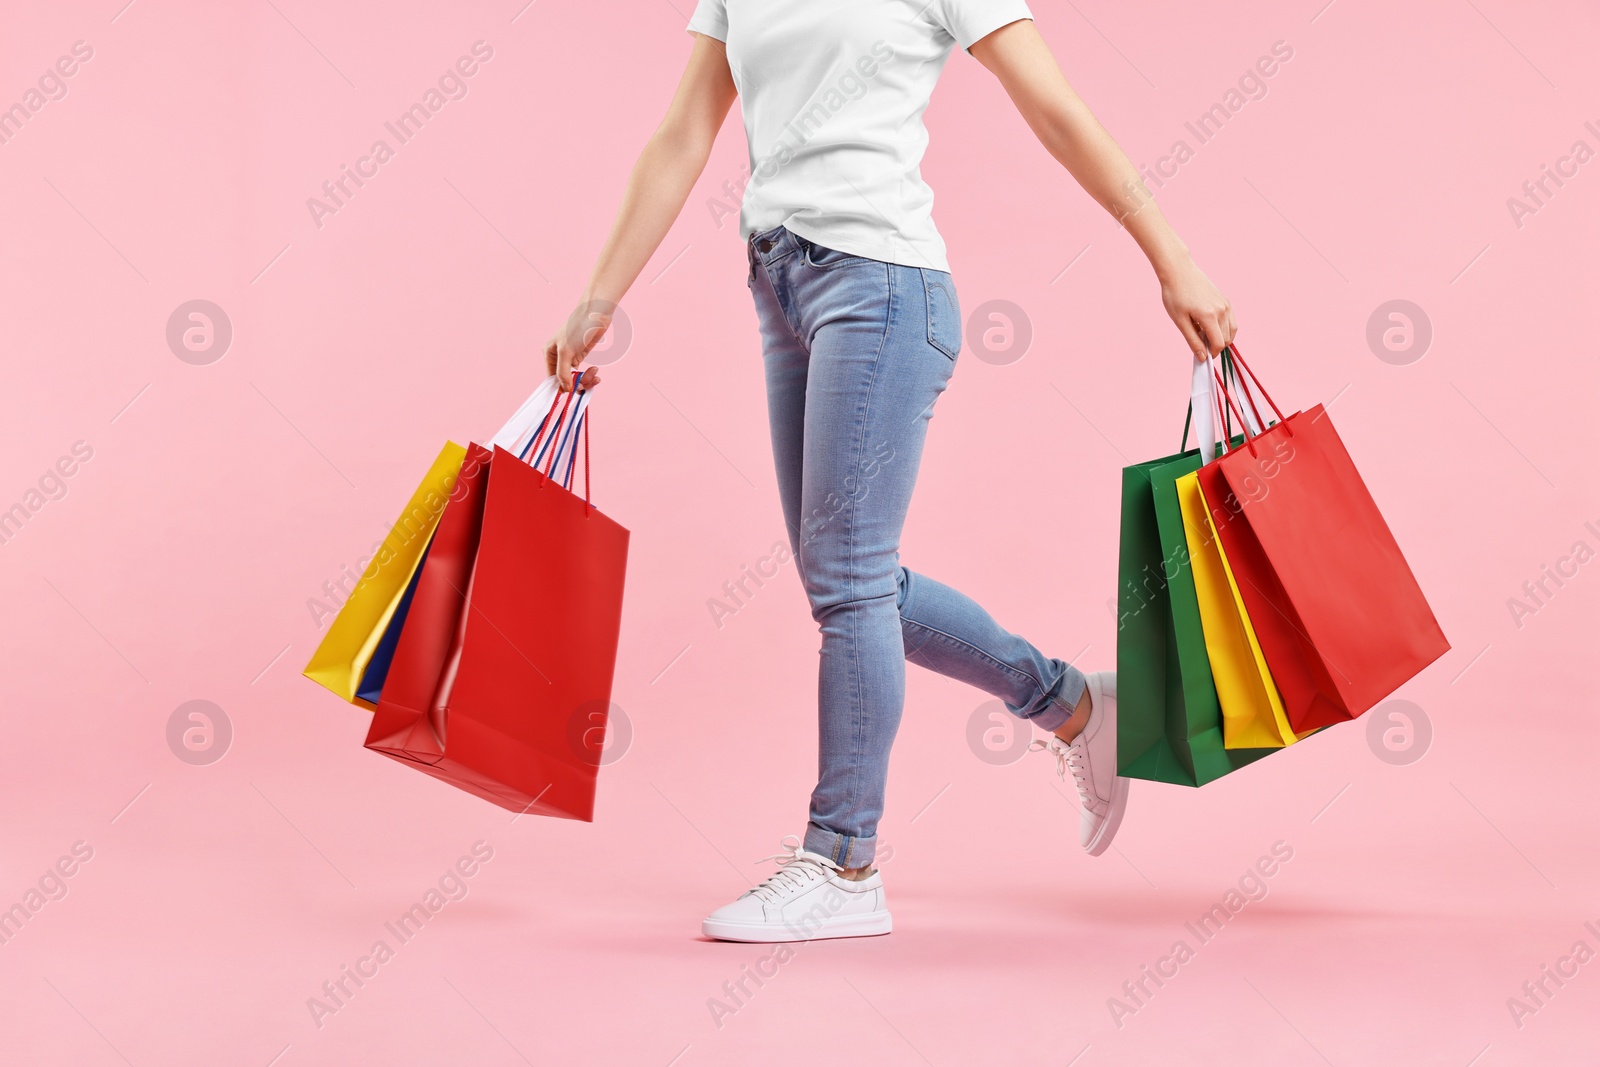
(1108, 829)
(871, 925)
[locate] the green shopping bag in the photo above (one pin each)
(1169, 723)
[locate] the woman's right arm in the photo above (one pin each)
(662, 178)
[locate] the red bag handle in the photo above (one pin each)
(587, 507)
(555, 434)
(1230, 373)
(1227, 394)
(531, 448)
(1234, 349)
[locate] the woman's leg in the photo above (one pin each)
(856, 354)
(854, 364)
(949, 633)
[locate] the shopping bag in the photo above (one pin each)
(377, 669)
(374, 610)
(1338, 613)
(505, 663)
(1252, 711)
(1169, 722)
(401, 723)
(345, 650)
(372, 678)
(438, 595)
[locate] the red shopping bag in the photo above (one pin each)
(1339, 615)
(505, 662)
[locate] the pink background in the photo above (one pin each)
(219, 498)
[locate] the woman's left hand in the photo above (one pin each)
(1202, 313)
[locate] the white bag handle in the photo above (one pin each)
(1206, 402)
(1245, 393)
(566, 445)
(545, 401)
(520, 426)
(1203, 405)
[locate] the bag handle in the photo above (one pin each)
(515, 434)
(1204, 398)
(1220, 413)
(1230, 376)
(579, 403)
(557, 442)
(522, 421)
(1249, 435)
(587, 506)
(1252, 381)
(1199, 388)
(1234, 394)
(1250, 416)
(533, 453)
(1256, 382)
(580, 422)
(551, 452)
(1204, 414)
(544, 455)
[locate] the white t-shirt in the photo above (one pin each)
(833, 93)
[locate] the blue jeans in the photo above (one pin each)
(857, 352)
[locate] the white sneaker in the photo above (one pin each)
(804, 901)
(1091, 758)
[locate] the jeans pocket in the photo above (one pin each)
(944, 312)
(823, 258)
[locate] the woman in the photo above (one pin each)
(860, 328)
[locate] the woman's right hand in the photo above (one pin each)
(1198, 308)
(577, 337)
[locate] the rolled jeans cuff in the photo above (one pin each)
(842, 849)
(1061, 701)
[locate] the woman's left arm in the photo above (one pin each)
(1019, 57)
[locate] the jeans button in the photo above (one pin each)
(763, 245)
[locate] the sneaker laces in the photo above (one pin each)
(1071, 758)
(796, 868)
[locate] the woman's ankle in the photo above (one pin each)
(1079, 718)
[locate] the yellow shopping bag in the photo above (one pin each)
(346, 649)
(1252, 711)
